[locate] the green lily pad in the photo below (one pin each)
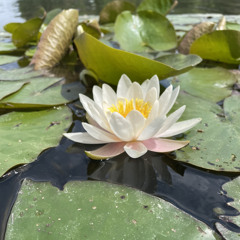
(42, 92)
(109, 63)
(147, 30)
(7, 88)
(4, 59)
(233, 26)
(233, 191)
(11, 27)
(213, 84)
(214, 143)
(222, 46)
(112, 9)
(6, 47)
(161, 6)
(19, 74)
(25, 134)
(98, 210)
(26, 32)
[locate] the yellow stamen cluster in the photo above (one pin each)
(125, 106)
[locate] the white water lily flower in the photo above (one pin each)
(134, 119)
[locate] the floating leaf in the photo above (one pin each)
(138, 33)
(98, 210)
(109, 63)
(196, 32)
(42, 92)
(221, 46)
(56, 39)
(233, 26)
(6, 47)
(4, 59)
(11, 27)
(214, 143)
(8, 88)
(112, 9)
(25, 134)
(233, 190)
(161, 6)
(19, 74)
(26, 32)
(213, 84)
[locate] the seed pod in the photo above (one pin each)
(55, 39)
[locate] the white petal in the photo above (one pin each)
(144, 85)
(170, 120)
(180, 127)
(121, 127)
(85, 100)
(135, 149)
(135, 91)
(151, 96)
(164, 145)
(154, 82)
(91, 121)
(107, 151)
(82, 137)
(109, 96)
(151, 129)
(123, 86)
(137, 121)
(153, 114)
(164, 100)
(100, 134)
(172, 99)
(97, 95)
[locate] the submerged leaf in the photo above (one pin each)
(161, 6)
(98, 210)
(56, 39)
(147, 30)
(112, 9)
(221, 46)
(25, 134)
(109, 63)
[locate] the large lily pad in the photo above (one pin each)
(212, 84)
(222, 46)
(7, 88)
(25, 134)
(42, 92)
(161, 6)
(147, 30)
(98, 210)
(109, 63)
(4, 59)
(233, 191)
(214, 143)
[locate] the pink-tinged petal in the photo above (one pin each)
(100, 134)
(180, 127)
(83, 137)
(107, 151)
(97, 95)
(135, 149)
(123, 86)
(109, 96)
(134, 92)
(164, 145)
(137, 121)
(121, 127)
(151, 129)
(170, 120)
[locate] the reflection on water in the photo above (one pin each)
(18, 10)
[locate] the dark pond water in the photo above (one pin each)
(195, 191)
(20, 10)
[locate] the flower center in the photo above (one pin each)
(125, 106)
